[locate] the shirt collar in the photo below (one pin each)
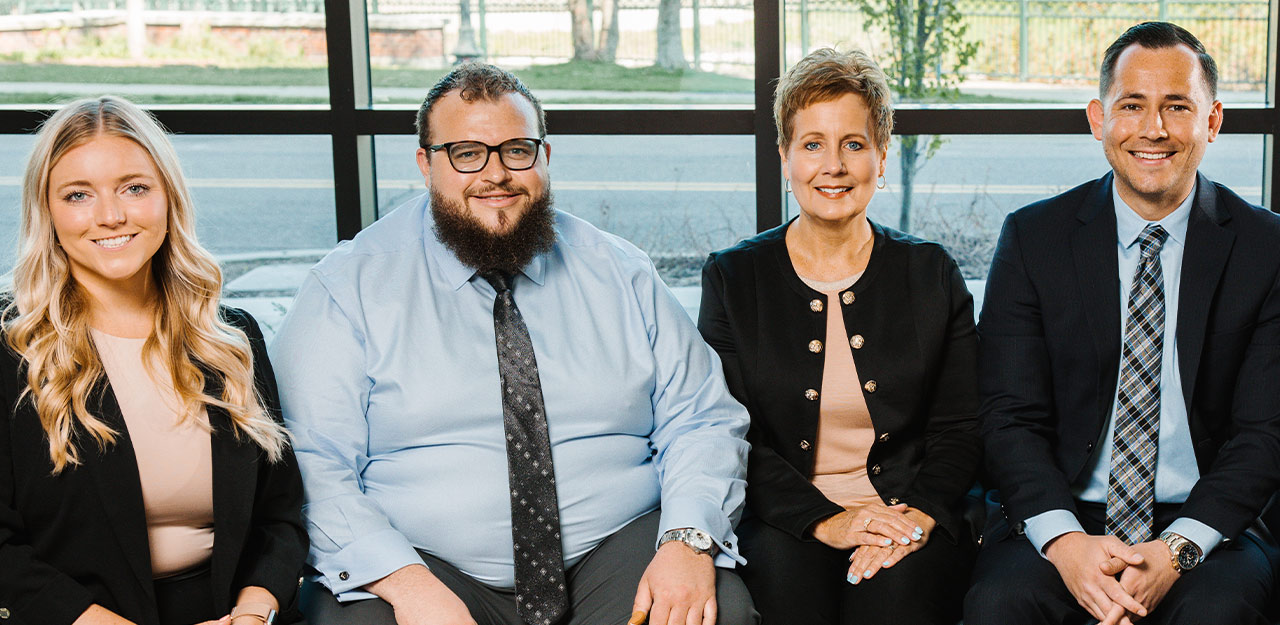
(1129, 225)
(457, 274)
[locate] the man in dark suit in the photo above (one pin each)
(1129, 364)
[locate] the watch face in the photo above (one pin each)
(700, 540)
(1188, 557)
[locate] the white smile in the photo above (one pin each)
(833, 190)
(1152, 156)
(114, 242)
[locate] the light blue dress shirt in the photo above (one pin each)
(388, 378)
(1176, 468)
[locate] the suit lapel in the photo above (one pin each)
(234, 483)
(120, 490)
(1093, 246)
(1208, 246)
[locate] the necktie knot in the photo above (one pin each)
(498, 279)
(1152, 240)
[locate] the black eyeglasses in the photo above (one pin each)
(468, 157)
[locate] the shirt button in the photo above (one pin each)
(884, 438)
(805, 445)
(875, 470)
(344, 576)
(728, 545)
(847, 297)
(815, 346)
(856, 341)
(870, 386)
(815, 305)
(811, 395)
(893, 501)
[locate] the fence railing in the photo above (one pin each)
(1052, 40)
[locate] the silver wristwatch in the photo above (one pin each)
(1183, 553)
(695, 539)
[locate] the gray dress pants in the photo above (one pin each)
(602, 588)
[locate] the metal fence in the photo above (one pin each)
(1050, 40)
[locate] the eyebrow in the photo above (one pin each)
(1142, 96)
(852, 135)
(85, 183)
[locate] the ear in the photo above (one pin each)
(884, 155)
(424, 164)
(546, 147)
(782, 153)
(1215, 120)
(1094, 113)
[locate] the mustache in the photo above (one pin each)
(511, 189)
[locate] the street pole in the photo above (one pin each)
(697, 36)
(1024, 40)
(466, 49)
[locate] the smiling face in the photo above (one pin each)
(495, 196)
(1154, 125)
(831, 162)
(109, 212)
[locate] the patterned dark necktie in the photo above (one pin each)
(1131, 489)
(535, 511)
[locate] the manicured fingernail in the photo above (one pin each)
(919, 530)
(867, 573)
(904, 540)
(916, 536)
(887, 542)
(888, 563)
(852, 579)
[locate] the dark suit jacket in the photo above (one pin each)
(1050, 351)
(79, 538)
(916, 318)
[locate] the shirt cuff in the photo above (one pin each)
(677, 514)
(1205, 537)
(366, 560)
(1046, 526)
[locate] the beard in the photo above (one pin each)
(482, 249)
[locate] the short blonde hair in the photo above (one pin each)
(826, 74)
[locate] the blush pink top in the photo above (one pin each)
(175, 461)
(845, 432)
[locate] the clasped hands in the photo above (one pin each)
(880, 536)
(1116, 583)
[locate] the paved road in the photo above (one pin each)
(671, 194)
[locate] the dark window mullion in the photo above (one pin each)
(769, 62)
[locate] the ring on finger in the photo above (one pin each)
(866, 525)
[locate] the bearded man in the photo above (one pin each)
(500, 411)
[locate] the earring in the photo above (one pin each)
(787, 184)
(883, 183)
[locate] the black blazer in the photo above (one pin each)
(79, 538)
(915, 319)
(1050, 353)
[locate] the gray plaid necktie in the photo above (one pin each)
(1131, 488)
(541, 598)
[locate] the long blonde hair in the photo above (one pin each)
(46, 321)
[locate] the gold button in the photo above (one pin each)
(815, 346)
(870, 386)
(847, 297)
(893, 501)
(856, 341)
(4, 613)
(815, 305)
(875, 470)
(811, 394)
(805, 445)
(884, 438)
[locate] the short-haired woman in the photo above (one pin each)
(144, 473)
(853, 347)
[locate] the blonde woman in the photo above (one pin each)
(144, 475)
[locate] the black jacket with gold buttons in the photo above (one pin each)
(911, 326)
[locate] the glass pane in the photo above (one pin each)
(673, 203)
(1024, 51)
(584, 52)
(264, 207)
(164, 51)
(960, 196)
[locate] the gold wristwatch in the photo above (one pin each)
(1183, 554)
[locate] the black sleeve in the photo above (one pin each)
(777, 493)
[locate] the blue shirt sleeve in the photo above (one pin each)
(1046, 526)
(699, 428)
(1205, 537)
(324, 390)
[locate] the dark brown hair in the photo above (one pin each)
(475, 81)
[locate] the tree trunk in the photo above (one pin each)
(607, 41)
(670, 44)
(581, 28)
(909, 159)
